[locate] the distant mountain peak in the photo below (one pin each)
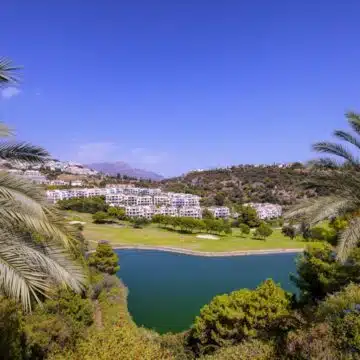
(123, 168)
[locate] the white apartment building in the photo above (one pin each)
(15, 171)
(220, 212)
(144, 200)
(139, 211)
(161, 200)
(155, 202)
(267, 210)
(59, 182)
(35, 176)
(167, 210)
(194, 212)
(192, 200)
(115, 199)
(130, 200)
(76, 183)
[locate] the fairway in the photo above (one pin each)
(152, 235)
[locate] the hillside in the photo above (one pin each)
(122, 168)
(241, 184)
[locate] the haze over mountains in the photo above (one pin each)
(122, 168)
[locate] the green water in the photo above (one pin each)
(167, 290)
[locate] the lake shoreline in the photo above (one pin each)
(208, 253)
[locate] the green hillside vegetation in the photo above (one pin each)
(245, 183)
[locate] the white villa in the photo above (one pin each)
(266, 210)
(194, 212)
(220, 212)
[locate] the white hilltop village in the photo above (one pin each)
(137, 202)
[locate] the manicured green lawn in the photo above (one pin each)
(152, 235)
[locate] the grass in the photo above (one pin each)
(152, 235)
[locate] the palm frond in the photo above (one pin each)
(335, 149)
(7, 70)
(327, 163)
(349, 238)
(25, 194)
(23, 152)
(27, 270)
(354, 121)
(345, 136)
(315, 211)
(10, 218)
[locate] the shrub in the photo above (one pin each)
(87, 205)
(117, 212)
(104, 259)
(263, 231)
(248, 350)
(320, 274)
(58, 325)
(11, 330)
(100, 217)
(241, 315)
(139, 222)
(118, 342)
(244, 229)
(248, 216)
(207, 214)
(342, 312)
(289, 231)
(315, 343)
(323, 234)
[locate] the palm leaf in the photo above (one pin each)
(27, 270)
(7, 70)
(345, 136)
(354, 121)
(23, 152)
(349, 238)
(335, 149)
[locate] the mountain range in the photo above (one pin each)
(122, 168)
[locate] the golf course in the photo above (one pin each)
(123, 234)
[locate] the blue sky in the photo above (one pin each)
(183, 84)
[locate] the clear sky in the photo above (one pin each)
(174, 85)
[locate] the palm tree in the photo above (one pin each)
(7, 70)
(36, 246)
(342, 179)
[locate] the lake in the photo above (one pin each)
(167, 290)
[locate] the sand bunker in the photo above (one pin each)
(211, 237)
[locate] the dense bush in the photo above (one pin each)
(87, 205)
(244, 229)
(100, 217)
(117, 212)
(57, 325)
(289, 231)
(139, 222)
(122, 341)
(104, 259)
(12, 345)
(241, 315)
(316, 342)
(248, 350)
(320, 274)
(248, 215)
(342, 312)
(263, 231)
(323, 233)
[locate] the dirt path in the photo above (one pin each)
(98, 315)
